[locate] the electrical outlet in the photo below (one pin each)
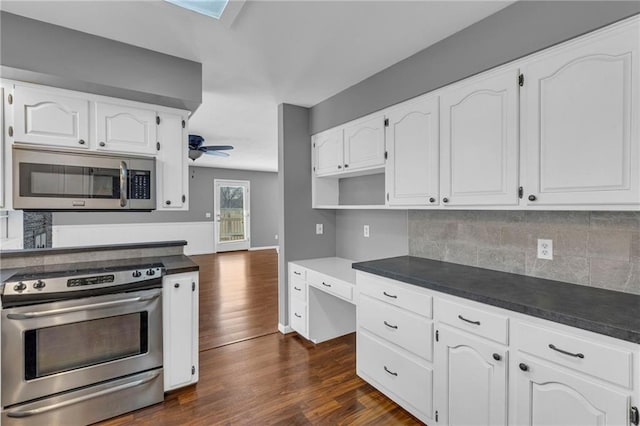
(545, 249)
(319, 228)
(366, 231)
(207, 215)
(276, 237)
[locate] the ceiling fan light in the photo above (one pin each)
(194, 154)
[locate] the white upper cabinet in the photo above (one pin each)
(364, 143)
(412, 173)
(479, 141)
(172, 167)
(471, 380)
(49, 118)
(125, 129)
(328, 153)
(580, 110)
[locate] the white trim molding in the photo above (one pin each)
(264, 248)
(284, 329)
(199, 235)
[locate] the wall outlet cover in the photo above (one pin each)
(545, 249)
(319, 229)
(207, 215)
(366, 231)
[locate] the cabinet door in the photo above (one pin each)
(172, 164)
(548, 396)
(180, 329)
(479, 142)
(125, 129)
(48, 118)
(327, 149)
(471, 380)
(364, 144)
(580, 122)
(412, 174)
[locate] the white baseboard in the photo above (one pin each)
(199, 235)
(284, 329)
(264, 248)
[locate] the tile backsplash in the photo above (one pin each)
(600, 249)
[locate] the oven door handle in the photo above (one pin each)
(102, 305)
(138, 382)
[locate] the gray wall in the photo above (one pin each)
(600, 249)
(263, 204)
(387, 234)
(297, 219)
(515, 31)
(44, 53)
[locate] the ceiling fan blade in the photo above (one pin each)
(217, 147)
(217, 153)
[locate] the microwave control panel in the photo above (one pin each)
(140, 184)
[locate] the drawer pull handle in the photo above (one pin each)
(390, 372)
(325, 284)
(469, 321)
(297, 273)
(393, 296)
(296, 314)
(523, 366)
(395, 327)
(297, 289)
(578, 355)
(497, 357)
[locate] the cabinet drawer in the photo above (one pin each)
(299, 316)
(605, 362)
(476, 321)
(395, 372)
(298, 288)
(297, 271)
(396, 294)
(330, 285)
(407, 330)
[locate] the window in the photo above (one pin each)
(212, 8)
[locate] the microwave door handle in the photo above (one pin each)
(40, 410)
(123, 183)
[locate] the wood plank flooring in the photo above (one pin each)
(267, 380)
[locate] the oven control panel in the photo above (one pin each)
(82, 282)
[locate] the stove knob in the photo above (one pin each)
(151, 272)
(137, 274)
(39, 285)
(20, 287)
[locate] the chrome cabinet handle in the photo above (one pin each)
(575, 355)
(28, 413)
(395, 327)
(469, 321)
(123, 183)
(390, 372)
(393, 296)
(102, 305)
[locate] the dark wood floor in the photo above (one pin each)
(272, 379)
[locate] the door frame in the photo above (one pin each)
(244, 244)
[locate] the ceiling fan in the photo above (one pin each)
(196, 149)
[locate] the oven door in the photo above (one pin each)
(55, 347)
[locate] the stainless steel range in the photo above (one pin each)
(82, 347)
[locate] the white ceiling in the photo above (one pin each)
(299, 52)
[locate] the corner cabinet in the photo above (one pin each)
(580, 109)
(180, 329)
(172, 168)
(480, 141)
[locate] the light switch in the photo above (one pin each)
(319, 228)
(366, 231)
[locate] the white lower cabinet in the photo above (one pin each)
(471, 379)
(490, 366)
(180, 329)
(550, 396)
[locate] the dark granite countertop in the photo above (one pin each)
(173, 265)
(607, 312)
(66, 250)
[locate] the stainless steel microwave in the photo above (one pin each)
(53, 179)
